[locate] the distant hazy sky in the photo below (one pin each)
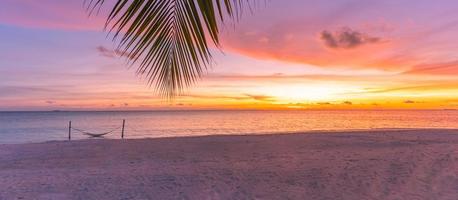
(286, 54)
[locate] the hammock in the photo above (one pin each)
(94, 134)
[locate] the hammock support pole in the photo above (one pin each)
(69, 130)
(122, 130)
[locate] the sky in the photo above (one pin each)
(284, 54)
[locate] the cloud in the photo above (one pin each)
(13, 91)
(50, 102)
(409, 101)
(238, 98)
(346, 38)
(347, 103)
(280, 76)
(198, 96)
(443, 85)
(103, 51)
(307, 46)
(261, 97)
(440, 68)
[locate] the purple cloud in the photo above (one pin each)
(103, 51)
(346, 38)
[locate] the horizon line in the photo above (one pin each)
(242, 109)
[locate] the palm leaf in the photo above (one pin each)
(168, 38)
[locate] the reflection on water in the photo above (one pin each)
(20, 127)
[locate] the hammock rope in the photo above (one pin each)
(92, 134)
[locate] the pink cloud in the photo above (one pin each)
(441, 68)
(351, 48)
(379, 36)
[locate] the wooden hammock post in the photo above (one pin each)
(69, 130)
(122, 130)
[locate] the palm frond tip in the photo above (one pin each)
(168, 37)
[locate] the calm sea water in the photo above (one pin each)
(22, 127)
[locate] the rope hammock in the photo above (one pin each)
(95, 134)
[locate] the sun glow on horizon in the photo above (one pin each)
(304, 92)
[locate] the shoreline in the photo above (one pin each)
(376, 164)
(313, 132)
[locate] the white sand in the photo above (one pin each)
(420, 164)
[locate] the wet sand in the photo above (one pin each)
(402, 164)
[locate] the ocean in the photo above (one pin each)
(25, 127)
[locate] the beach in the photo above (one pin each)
(376, 164)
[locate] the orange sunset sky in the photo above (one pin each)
(292, 54)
